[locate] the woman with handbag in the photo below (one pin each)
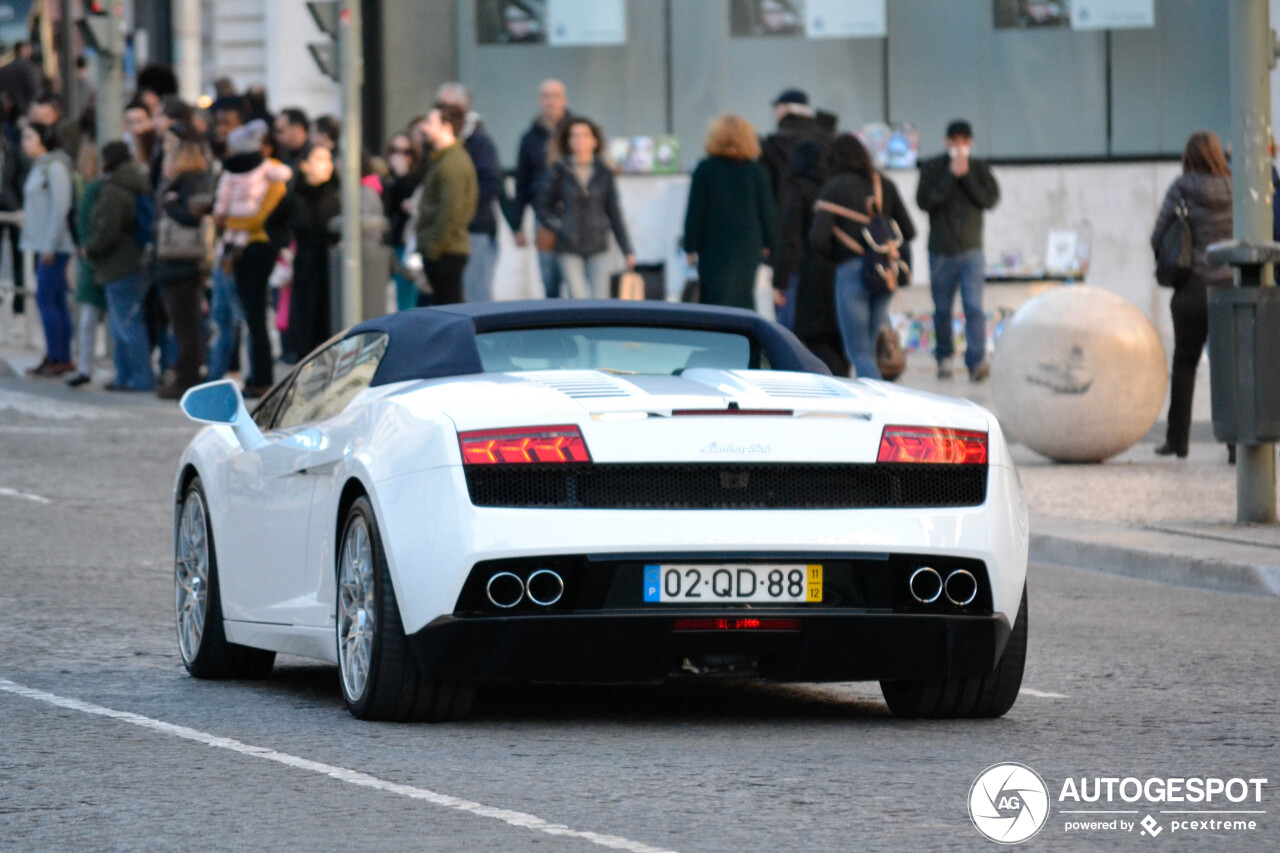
(855, 201)
(577, 207)
(1201, 197)
(184, 251)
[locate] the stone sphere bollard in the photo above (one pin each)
(1079, 374)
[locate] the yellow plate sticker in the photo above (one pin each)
(815, 583)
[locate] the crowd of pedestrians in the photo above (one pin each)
(182, 235)
(190, 232)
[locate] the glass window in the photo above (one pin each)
(331, 379)
(617, 349)
(265, 414)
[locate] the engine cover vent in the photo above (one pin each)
(578, 384)
(799, 385)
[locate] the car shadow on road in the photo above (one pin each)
(680, 699)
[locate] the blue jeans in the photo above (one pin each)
(227, 315)
(965, 272)
(786, 314)
(477, 276)
(406, 290)
(51, 298)
(130, 346)
(552, 277)
(860, 316)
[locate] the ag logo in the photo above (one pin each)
(1009, 803)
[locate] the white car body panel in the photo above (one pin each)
(274, 510)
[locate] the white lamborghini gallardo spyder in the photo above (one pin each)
(577, 491)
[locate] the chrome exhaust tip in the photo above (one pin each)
(504, 590)
(961, 588)
(545, 587)
(925, 585)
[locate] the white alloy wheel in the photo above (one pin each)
(191, 570)
(356, 608)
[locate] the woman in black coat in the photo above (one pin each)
(1205, 187)
(731, 221)
(316, 200)
(815, 323)
(185, 199)
(579, 203)
(404, 161)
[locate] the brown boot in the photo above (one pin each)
(58, 368)
(39, 369)
(172, 390)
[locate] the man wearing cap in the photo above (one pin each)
(954, 190)
(796, 123)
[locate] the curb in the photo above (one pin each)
(1255, 574)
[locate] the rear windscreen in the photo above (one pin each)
(646, 350)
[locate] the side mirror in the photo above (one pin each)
(220, 403)
(212, 403)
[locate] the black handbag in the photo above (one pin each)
(1174, 258)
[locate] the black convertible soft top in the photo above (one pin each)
(428, 343)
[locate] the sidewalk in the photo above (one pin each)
(1138, 514)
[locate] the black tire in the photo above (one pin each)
(972, 696)
(215, 657)
(395, 688)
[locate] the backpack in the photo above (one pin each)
(1174, 259)
(144, 219)
(886, 261)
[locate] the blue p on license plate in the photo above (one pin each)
(682, 583)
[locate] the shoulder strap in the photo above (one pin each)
(849, 243)
(877, 192)
(841, 210)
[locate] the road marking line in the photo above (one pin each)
(26, 496)
(342, 774)
(1042, 694)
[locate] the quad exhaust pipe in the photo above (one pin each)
(927, 586)
(505, 590)
(961, 588)
(544, 588)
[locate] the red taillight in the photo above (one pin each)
(933, 444)
(736, 624)
(522, 445)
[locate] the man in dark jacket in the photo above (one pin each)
(795, 124)
(447, 206)
(21, 77)
(477, 278)
(116, 256)
(293, 129)
(531, 165)
(954, 190)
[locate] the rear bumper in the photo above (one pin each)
(635, 647)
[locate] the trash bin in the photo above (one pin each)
(1244, 364)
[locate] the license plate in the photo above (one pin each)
(672, 583)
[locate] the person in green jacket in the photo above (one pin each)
(731, 220)
(116, 256)
(448, 204)
(89, 295)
